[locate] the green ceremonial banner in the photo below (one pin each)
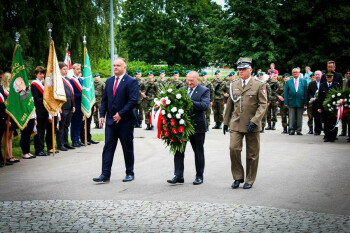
(19, 104)
(88, 95)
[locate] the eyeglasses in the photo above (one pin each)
(347, 72)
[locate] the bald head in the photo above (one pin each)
(119, 66)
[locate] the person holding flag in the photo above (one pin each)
(77, 117)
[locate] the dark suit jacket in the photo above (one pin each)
(123, 102)
(77, 94)
(200, 99)
(39, 102)
(323, 93)
(336, 78)
(347, 83)
(295, 99)
(69, 95)
(311, 91)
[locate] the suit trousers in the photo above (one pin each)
(197, 143)
(252, 155)
(88, 130)
(295, 119)
(77, 121)
(317, 120)
(25, 137)
(48, 137)
(125, 134)
(63, 128)
(39, 138)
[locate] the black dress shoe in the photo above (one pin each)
(62, 148)
(88, 143)
(94, 142)
(81, 144)
(198, 181)
(247, 186)
(101, 179)
(76, 145)
(9, 163)
(128, 178)
(41, 153)
(50, 152)
(299, 133)
(317, 133)
(326, 140)
(342, 134)
(292, 132)
(310, 132)
(69, 147)
(176, 179)
(237, 183)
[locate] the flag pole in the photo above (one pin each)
(85, 120)
(49, 26)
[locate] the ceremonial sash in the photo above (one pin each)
(77, 84)
(2, 99)
(39, 85)
(69, 85)
(6, 93)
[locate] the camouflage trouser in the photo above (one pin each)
(139, 111)
(284, 115)
(263, 120)
(310, 121)
(207, 116)
(272, 113)
(146, 108)
(218, 109)
(97, 113)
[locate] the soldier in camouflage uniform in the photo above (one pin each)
(260, 76)
(207, 84)
(176, 82)
(219, 87)
(138, 107)
(161, 80)
(149, 91)
(232, 77)
(272, 109)
(99, 89)
(284, 111)
(310, 116)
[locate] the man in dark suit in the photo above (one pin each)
(312, 89)
(118, 102)
(337, 77)
(37, 88)
(66, 111)
(330, 131)
(200, 96)
(295, 98)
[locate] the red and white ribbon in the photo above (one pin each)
(39, 85)
(340, 108)
(69, 85)
(156, 120)
(6, 93)
(2, 99)
(77, 84)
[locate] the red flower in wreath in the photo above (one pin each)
(181, 129)
(174, 130)
(166, 133)
(180, 140)
(172, 140)
(164, 101)
(172, 122)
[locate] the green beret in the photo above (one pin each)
(260, 74)
(96, 74)
(188, 71)
(162, 71)
(137, 71)
(232, 73)
(271, 72)
(203, 73)
(312, 74)
(324, 71)
(217, 72)
(175, 72)
(286, 75)
(150, 72)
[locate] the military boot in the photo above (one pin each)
(310, 131)
(262, 130)
(148, 127)
(273, 126)
(269, 126)
(285, 131)
(215, 126)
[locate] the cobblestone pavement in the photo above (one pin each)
(166, 216)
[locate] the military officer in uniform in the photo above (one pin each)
(138, 107)
(99, 88)
(310, 116)
(284, 111)
(148, 91)
(245, 109)
(162, 80)
(272, 108)
(204, 82)
(219, 87)
(260, 76)
(176, 82)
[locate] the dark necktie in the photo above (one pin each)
(189, 93)
(115, 85)
(243, 84)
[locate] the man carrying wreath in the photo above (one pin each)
(200, 97)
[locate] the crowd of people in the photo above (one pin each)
(291, 96)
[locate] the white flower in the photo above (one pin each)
(346, 105)
(168, 102)
(328, 105)
(339, 94)
(169, 116)
(170, 90)
(161, 92)
(181, 122)
(181, 111)
(163, 112)
(333, 96)
(178, 96)
(334, 103)
(174, 109)
(178, 116)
